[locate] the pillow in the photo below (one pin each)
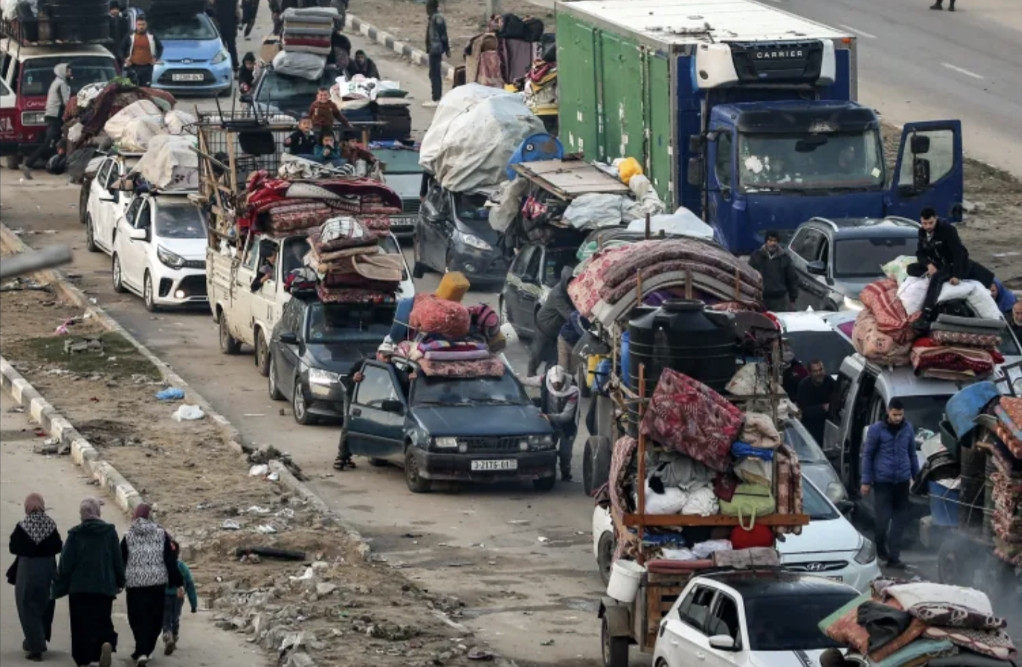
(993, 643)
(920, 648)
(843, 627)
(929, 592)
(951, 615)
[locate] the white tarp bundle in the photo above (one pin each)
(170, 163)
(474, 132)
(117, 123)
(307, 66)
(682, 222)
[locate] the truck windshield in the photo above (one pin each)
(778, 162)
(862, 258)
(38, 73)
(179, 221)
(454, 391)
(348, 323)
(198, 27)
(772, 626)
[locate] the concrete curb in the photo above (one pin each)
(417, 56)
(60, 428)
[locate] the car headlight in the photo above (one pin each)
(445, 443)
(867, 552)
(474, 241)
(836, 492)
(535, 442)
(33, 118)
(851, 304)
(169, 258)
(220, 57)
(320, 376)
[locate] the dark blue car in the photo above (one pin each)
(450, 428)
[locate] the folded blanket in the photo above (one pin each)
(492, 367)
(875, 345)
(456, 355)
(989, 341)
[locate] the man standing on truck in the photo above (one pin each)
(559, 402)
(780, 283)
(140, 50)
(889, 464)
(813, 398)
(56, 99)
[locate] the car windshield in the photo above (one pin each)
(799, 439)
(815, 505)
(772, 626)
(198, 27)
(348, 323)
(454, 391)
(38, 73)
(862, 258)
(925, 411)
(286, 91)
(830, 347)
(179, 221)
(778, 162)
(399, 161)
(557, 259)
(471, 206)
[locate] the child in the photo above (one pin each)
(323, 112)
(174, 601)
(326, 152)
(302, 141)
(246, 76)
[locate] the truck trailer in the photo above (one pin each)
(744, 114)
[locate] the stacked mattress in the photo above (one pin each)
(351, 266)
(308, 30)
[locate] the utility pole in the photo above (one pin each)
(492, 7)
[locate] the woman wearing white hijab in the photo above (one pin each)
(36, 543)
(559, 403)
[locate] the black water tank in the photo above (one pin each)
(682, 335)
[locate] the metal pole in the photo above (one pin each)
(492, 7)
(47, 258)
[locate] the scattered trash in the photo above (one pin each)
(544, 540)
(273, 476)
(253, 414)
(255, 509)
(266, 529)
(269, 552)
(479, 654)
(170, 394)
(258, 470)
(80, 345)
(188, 413)
(412, 536)
(519, 522)
(549, 642)
(19, 284)
(230, 524)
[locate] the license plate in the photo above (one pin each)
(501, 464)
(404, 221)
(840, 580)
(187, 77)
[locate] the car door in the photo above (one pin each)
(373, 431)
(102, 211)
(805, 250)
(135, 259)
(121, 237)
(240, 319)
(726, 618)
(513, 285)
(8, 109)
(531, 291)
(683, 633)
(288, 357)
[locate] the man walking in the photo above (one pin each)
(228, 14)
(559, 403)
(889, 464)
(780, 284)
(437, 47)
(56, 99)
(813, 399)
(119, 29)
(140, 50)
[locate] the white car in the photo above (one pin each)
(828, 547)
(159, 251)
(749, 619)
(101, 205)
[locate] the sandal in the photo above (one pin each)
(341, 464)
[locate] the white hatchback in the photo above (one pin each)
(159, 251)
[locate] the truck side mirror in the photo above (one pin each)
(695, 144)
(695, 171)
(288, 338)
(920, 173)
(920, 144)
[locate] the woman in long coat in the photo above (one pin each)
(36, 542)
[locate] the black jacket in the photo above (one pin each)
(90, 561)
(368, 69)
(810, 399)
(119, 29)
(778, 273)
(155, 46)
(944, 250)
(22, 545)
(299, 143)
(558, 307)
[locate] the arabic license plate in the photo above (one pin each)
(402, 221)
(499, 464)
(186, 77)
(840, 580)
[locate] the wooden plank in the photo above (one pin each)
(681, 520)
(568, 179)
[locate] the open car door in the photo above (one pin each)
(929, 171)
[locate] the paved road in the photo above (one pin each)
(63, 486)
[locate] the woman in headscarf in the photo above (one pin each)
(559, 404)
(36, 542)
(150, 567)
(91, 574)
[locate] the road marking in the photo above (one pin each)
(962, 71)
(856, 31)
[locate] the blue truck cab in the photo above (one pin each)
(744, 114)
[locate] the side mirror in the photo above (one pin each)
(695, 171)
(139, 235)
(289, 338)
(920, 144)
(845, 507)
(722, 642)
(396, 407)
(920, 172)
(817, 268)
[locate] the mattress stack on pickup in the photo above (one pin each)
(351, 266)
(308, 30)
(958, 348)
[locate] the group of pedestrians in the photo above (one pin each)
(94, 568)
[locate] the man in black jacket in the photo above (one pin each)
(942, 256)
(780, 284)
(119, 29)
(228, 14)
(552, 315)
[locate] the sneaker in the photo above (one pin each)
(169, 643)
(106, 655)
(938, 6)
(565, 476)
(430, 104)
(142, 661)
(34, 657)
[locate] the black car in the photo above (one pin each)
(312, 348)
(836, 259)
(453, 233)
(534, 271)
(450, 428)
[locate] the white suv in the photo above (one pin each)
(159, 251)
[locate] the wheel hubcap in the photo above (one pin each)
(148, 291)
(299, 403)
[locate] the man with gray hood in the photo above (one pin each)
(56, 99)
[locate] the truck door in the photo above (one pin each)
(242, 296)
(929, 171)
(721, 180)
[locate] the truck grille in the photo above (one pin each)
(492, 445)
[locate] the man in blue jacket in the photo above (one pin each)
(889, 464)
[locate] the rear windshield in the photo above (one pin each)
(37, 74)
(556, 260)
(772, 626)
(348, 323)
(862, 258)
(471, 206)
(180, 221)
(198, 27)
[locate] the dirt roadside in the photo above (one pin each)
(329, 603)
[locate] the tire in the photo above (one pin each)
(13, 161)
(271, 383)
(148, 297)
(262, 354)
(90, 235)
(605, 556)
(83, 201)
(228, 343)
(581, 375)
(379, 463)
(601, 450)
(416, 484)
(299, 405)
(615, 649)
(545, 483)
(116, 274)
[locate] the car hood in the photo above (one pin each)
(820, 536)
(851, 286)
(480, 420)
(806, 658)
(405, 185)
(339, 357)
(192, 49)
(187, 248)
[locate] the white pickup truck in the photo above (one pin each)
(246, 315)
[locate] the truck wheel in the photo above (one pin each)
(272, 385)
(299, 406)
(605, 556)
(90, 235)
(116, 275)
(262, 354)
(615, 649)
(601, 450)
(545, 483)
(13, 161)
(228, 343)
(416, 484)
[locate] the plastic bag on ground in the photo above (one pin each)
(188, 413)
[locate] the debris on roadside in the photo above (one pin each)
(188, 413)
(170, 394)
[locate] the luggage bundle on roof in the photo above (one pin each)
(56, 21)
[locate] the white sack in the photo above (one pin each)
(671, 501)
(170, 163)
(177, 121)
(475, 131)
(308, 66)
(139, 109)
(912, 293)
(139, 132)
(88, 93)
(596, 210)
(977, 296)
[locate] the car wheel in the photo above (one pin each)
(615, 649)
(271, 383)
(416, 483)
(90, 235)
(228, 343)
(545, 483)
(148, 298)
(605, 555)
(299, 406)
(379, 463)
(116, 275)
(83, 201)
(13, 161)
(262, 354)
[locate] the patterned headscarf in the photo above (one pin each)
(90, 508)
(36, 523)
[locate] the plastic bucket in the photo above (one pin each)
(943, 504)
(625, 576)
